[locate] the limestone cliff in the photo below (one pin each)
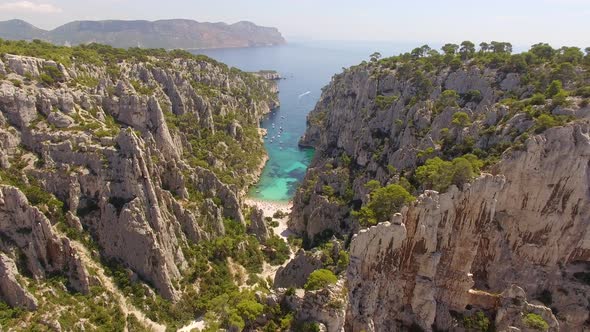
(375, 123)
(142, 153)
(448, 257)
(430, 259)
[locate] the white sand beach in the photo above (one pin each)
(269, 209)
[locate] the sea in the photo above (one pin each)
(306, 67)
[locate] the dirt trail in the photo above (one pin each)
(106, 281)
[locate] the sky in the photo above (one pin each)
(522, 22)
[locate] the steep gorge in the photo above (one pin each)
(448, 192)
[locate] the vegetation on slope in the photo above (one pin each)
(548, 82)
(222, 271)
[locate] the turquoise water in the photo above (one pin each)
(306, 67)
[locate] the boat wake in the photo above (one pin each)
(304, 94)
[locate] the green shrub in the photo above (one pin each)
(249, 309)
(141, 88)
(461, 119)
(328, 191)
(535, 321)
(554, 88)
(8, 313)
(87, 81)
(343, 259)
(559, 99)
(279, 252)
(583, 92)
(455, 63)
(17, 83)
(383, 203)
(478, 322)
(546, 121)
(50, 75)
(319, 279)
(280, 214)
(448, 98)
(473, 96)
(46, 79)
(384, 102)
(537, 99)
(438, 174)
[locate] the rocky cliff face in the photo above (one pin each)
(434, 257)
(127, 149)
(31, 238)
(448, 257)
(375, 123)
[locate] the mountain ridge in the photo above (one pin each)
(167, 33)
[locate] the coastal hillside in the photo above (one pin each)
(167, 34)
(458, 182)
(122, 175)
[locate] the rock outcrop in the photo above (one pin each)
(514, 308)
(297, 271)
(258, 225)
(527, 226)
(325, 306)
(10, 290)
(29, 236)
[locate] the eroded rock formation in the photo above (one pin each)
(30, 238)
(527, 226)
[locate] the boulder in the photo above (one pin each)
(326, 307)
(59, 120)
(24, 65)
(515, 309)
(17, 105)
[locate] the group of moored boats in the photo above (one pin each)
(278, 131)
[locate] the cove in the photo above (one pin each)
(305, 67)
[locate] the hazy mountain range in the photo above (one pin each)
(174, 33)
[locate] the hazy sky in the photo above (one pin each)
(522, 22)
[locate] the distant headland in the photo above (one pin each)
(168, 34)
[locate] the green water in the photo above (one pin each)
(282, 174)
